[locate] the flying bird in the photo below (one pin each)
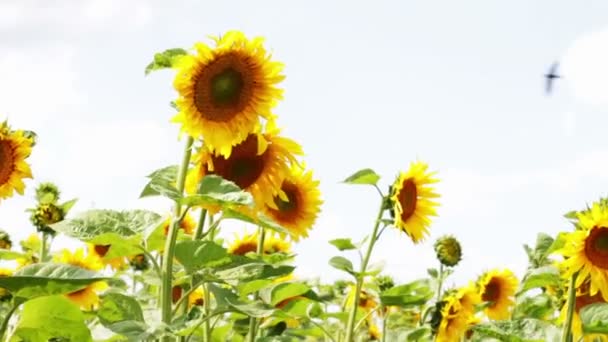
(550, 77)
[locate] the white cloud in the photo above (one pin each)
(585, 68)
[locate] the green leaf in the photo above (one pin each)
(595, 318)
(194, 255)
(342, 264)
(66, 206)
(343, 244)
(252, 271)
(419, 334)
(558, 243)
(6, 254)
(255, 309)
(44, 279)
(412, 294)
(541, 277)
(165, 59)
(123, 230)
(534, 307)
(261, 221)
(253, 286)
(283, 291)
(215, 190)
(365, 176)
(519, 330)
(223, 296)
(51, 318)
(162, 184)
(433, 272)
(116, 307)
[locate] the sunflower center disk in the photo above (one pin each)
(492, 292)
(287, 206)
(596, 247)
(102, 250)
(408, 197)
(226, 87)
(7, 161)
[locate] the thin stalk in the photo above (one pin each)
(440, 284)
(253, 322)
(384, 319)
(567, 330)
(200, 226)
(206, 310)
(7, 318)
(353, 313)
(43, 247)
(167, 263)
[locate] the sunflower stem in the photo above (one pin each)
(253, 322)
(384, 319)
(567, 329)
(6, 319)
(440, 282)
(43, 247)
(200, 226)
(360, 277)
(167, 263)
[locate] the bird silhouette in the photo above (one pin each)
(550, 77)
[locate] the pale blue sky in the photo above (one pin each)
(369, 84)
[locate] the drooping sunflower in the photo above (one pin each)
(412, 198)
(583, 298)
(225, 90)
(249, 243)
(450, 320)
(258, 165)
(448, 250)
(87, 297)
(100, 251)
(298, 204)
(15, 148)
(498, 287)
(586, 250)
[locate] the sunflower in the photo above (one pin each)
(452, 319)
(586, 250)
(298, 203)
(412, 195)
(448, 250)
(249, 244)
(187, 225)
(583, 298)
(5, 240)
(367, 301)
(197, 297)
(87, 297)
(101, 250)
(224, 91)
(15, 147)
(258, 165)
(498, 289)
(374, 332)
(31, 243)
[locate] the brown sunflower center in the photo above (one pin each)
(596, 247)
(244, 166)
(491, 293)
(7, 161)
(408, 196)
(101, 250)
(291, 204)
(245, 247)
(586, 299)
(224, 87)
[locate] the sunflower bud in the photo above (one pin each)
(139, 262)
(448, 250)
(46, 214)
(385, 282)
(47, 193)
(5, 240)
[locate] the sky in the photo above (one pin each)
(379, 84)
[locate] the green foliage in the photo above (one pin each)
(595, 318)
(283, 291)
(538, 256)
(215, 190)
(165, 59)
(45, 279)
(343, 244)
(364, 176)
(541, 277)
(342, 264)
(517, 330)
(51, 318)
(411, 294)
(539, 307)
(123, 315)
(195, 255)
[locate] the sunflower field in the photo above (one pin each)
(138, 275)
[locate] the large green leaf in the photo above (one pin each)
(538, 307)
(255, 309)
(518, 330)
(364, 176)
(53, 318)
(283, 291)
(412, 294)
(6, 254)
(165, 59)
(538, 256)
(122, 230)
(194, 255)
(261, 220)
(116, 307)
(215, 190)
(595, 318)
(162, 183)
(44, 279)
(541, 277)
